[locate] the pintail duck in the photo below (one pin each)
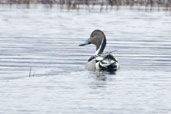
(100, 61)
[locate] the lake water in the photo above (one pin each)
(46, 41)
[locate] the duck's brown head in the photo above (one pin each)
(97, 38)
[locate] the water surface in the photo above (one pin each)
(46, 40)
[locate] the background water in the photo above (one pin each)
(46, 40)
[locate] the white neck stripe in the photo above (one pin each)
(97, 52)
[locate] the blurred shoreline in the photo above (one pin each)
(104, 4)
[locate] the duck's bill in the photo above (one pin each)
(85, 43)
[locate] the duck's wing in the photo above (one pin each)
(102, 62)
(110, 57)
(106, 61)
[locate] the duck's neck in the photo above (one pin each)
(100, 48)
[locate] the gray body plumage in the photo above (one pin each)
(90, 65)
(100, 61)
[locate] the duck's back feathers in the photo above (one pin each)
(103, 62)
